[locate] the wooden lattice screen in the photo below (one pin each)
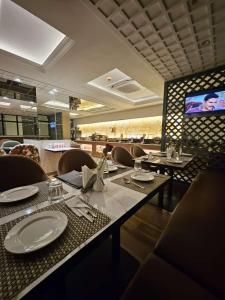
(203, 136)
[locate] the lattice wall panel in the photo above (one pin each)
(199, 135)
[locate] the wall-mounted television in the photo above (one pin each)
(205, 103)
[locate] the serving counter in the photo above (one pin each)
(95, 147)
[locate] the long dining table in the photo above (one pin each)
(20, 274)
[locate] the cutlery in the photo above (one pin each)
(128, 181)
(85, 208)
(89, 218)
(77, 213)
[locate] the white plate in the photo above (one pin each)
(35, 232)
(18, 193)
(142, 176)
(174, 161)
(112, 168)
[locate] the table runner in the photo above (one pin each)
(149, 185)
(18, 271)
(42, 195)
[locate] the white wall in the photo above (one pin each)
(149, 111)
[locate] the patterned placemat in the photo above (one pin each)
(42, 195)
(18, 271)
(149, 186)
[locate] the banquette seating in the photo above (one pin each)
(188, 261)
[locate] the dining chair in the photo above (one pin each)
(74, 159)
(8, 145)
(27, 150)
(122, 156)
(137, 151)
(18, 170)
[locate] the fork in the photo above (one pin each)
(128, 181)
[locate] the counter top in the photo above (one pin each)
(112, 143)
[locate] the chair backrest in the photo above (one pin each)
(74, 159)
(18, 170)
(30, 151)
(2, 152)
(8, 145)
(122, 156)
(137, 151)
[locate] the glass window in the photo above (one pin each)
(9, 118)
(10, 128)
(28, 119)
(43, 129)
(1, 129)
(42, 118)
(20, 126)
(28, 129)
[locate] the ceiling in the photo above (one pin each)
(176, 37)
(149, 41)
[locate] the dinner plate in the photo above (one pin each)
(174, 161)
(112, 168)
(35, 232)
(18, 193)
(142, 176)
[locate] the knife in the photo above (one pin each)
(89, 218)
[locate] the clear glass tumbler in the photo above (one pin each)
(55, 190)
(137, 165)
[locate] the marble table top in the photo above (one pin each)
(115, 201)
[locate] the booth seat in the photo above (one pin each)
(188, 262)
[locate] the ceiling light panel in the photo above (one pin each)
(25, 35)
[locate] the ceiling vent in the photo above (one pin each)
(127, 86)
(120, 84)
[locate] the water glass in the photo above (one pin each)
(55, 190)
(169, 152)
(150, 156)
(177, 155)
(137, 165)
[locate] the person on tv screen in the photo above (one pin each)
(208, 104)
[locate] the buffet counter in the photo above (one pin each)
(95, 147)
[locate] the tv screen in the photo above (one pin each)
(208, 102)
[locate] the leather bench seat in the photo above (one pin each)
(190, 255)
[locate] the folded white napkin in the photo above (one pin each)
(86, 174)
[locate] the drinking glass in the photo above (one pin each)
(137, 165)
(169, 152)
(55, 190)
(150, 156)
(177, 155)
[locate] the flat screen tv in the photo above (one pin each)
(205, 103)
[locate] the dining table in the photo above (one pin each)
(20, 274)
(165, 165)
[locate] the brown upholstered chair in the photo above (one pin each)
(122, 156)
(137, 151)
(74, 159)
(30, 151)
(18, 170)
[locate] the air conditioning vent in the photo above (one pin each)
(126, 86)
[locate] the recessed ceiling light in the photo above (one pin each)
(5, 103)
(54, 103)
(51, 92)
(18, 80)
(91, 107)
(55, 90)
(25, 106)
(31, 102)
